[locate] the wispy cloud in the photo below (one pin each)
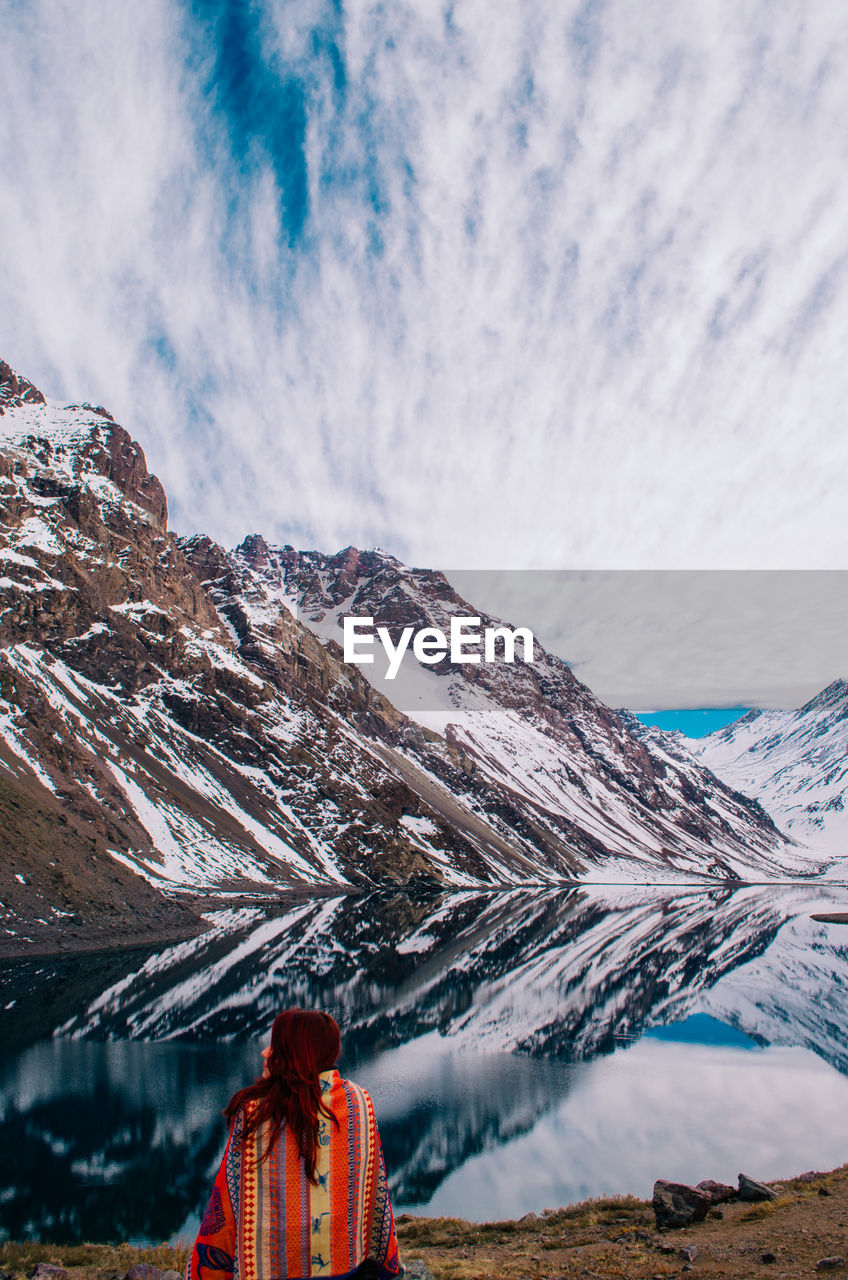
(486, 284)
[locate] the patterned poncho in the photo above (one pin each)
(266, 1221)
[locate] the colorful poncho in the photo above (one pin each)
(266, 1221)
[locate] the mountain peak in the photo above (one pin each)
(833, 694)
(72, 443)
(15, 390)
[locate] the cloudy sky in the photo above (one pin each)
(489, 284)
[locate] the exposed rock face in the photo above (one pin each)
(122, 461)
(15, 390)
(65, 449)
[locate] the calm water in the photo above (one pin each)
(523, 1050)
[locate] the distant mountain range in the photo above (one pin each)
(177, 716)
(795, 763)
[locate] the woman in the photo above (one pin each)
(302, 1189)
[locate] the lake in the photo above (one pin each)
(524, 1049)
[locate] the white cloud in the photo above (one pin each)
(570, 291)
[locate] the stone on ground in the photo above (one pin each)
(752, 1191)
(676, 1205)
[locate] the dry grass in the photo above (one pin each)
(613, 1239)
(765, 1208)
(621, 1211)
(97, 1260)
(617, 1239)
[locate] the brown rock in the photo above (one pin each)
(678, 1205)
(122, 461)
(719, 1192)
(752, 1191)
(144, 1271)
(16, 390)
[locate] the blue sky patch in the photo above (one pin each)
(694, 722)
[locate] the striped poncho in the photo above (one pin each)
(266, 1221)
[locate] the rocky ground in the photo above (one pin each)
(804, 1231)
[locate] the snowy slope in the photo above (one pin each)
(794, 762)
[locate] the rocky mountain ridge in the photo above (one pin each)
(176, 716)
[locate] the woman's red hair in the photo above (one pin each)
(303, 1044)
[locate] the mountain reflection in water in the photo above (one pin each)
(495, 1031)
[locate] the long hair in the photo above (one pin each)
(303, 1044)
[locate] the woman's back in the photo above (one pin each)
(268, 1220)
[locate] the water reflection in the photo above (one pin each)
(109, 1141)
(485, 1025)
(662, 1108)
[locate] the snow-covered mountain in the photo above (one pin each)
(794, 762)
(176, 716)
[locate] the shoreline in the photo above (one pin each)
(606, 1237)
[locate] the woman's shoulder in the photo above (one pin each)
(344, 1082)
(354, 1092)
